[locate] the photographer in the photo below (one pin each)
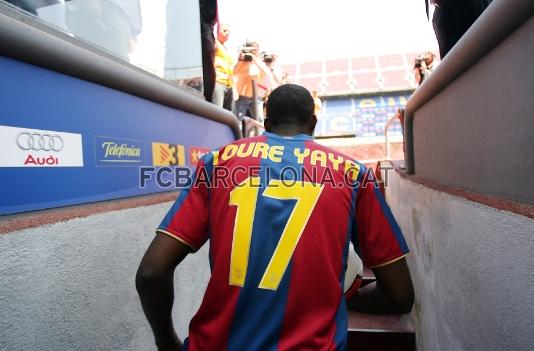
(276, 78)
(249, 68)
(423, 66)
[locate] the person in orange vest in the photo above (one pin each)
(249, 68)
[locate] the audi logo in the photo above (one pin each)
(40, 142)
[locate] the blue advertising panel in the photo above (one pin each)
(66, 141)
(361, 117)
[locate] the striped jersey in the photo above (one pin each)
(279, 213)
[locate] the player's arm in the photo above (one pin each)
(262, 66)
(381, 245)
(392, 293)
(155, 285)
(183, 230)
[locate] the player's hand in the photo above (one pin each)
(170, 344)
(176, 346)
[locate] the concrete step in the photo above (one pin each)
(380, 332)
(365, 149)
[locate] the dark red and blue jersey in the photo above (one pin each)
(279, 213)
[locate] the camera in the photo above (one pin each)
(419, 61)
(268, 58)
(247, 52)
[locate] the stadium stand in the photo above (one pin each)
(360, 93)
(355, 75)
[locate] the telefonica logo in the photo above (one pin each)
(116, 150)
(119, 152)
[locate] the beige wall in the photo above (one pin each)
(70, 285)
(472, 270)
(478, 133)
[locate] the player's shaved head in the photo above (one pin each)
(290, 106)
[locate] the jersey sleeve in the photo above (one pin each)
(376, 235)
(187, 220)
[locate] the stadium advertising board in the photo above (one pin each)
(66, 141)
(361, 117)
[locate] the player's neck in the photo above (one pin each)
(289, 130)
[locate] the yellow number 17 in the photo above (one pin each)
(244, 196)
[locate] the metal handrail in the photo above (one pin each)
(256, 124)
(386, 128)
(254, 110)
(249, 124)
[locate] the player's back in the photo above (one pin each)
(279, 213)
(280, 217)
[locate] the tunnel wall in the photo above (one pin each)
(70, 285)
(472, 269)
(470, 124)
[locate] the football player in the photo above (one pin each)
(279, 211)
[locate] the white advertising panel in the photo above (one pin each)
(25, 147)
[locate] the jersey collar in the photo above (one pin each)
(294, 137)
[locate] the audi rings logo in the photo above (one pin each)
(40, 142)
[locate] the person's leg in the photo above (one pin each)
(243, 107)
(232, 101)
(249, 107)
(450, 24)
(218, 95)
(208, 54)
(438, 23)
(259, 110)
(229, 99)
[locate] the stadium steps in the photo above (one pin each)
(368, 151)
(379, 333)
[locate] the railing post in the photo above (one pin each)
(386, 129)
(254, 110)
